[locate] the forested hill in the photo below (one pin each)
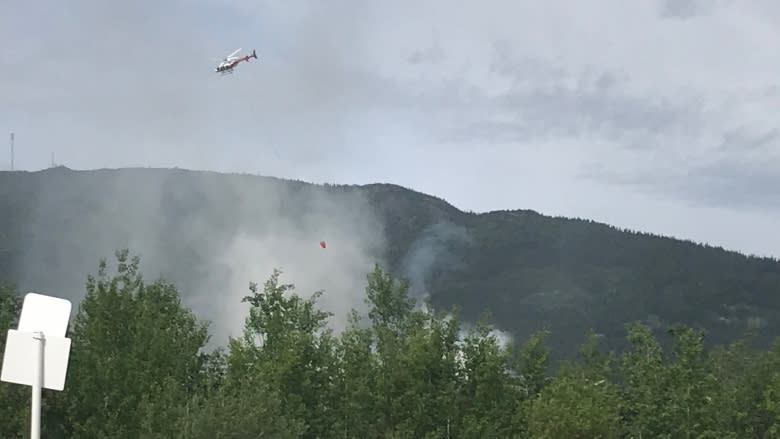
(209, 232)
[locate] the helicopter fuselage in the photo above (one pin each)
(230, 63)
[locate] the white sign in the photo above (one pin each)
(21, 353)
(46, 314)
(37, 352)
(40, 314)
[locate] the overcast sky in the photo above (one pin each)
(652, 115)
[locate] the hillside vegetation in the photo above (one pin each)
(531, 272)
(139, 368)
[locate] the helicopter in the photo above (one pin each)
(231, 61)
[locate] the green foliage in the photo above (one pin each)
(237, 412)
(574, 406)
(136, 352)
(287, 348)
(356, 383)
(138, 369)
(489, 396)
(14, 398)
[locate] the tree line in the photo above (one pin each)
(139, 367)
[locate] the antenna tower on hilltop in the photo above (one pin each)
(12, 151)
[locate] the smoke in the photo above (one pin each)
(503, 338)
(210, 234)
(432, 252)
(354, 241)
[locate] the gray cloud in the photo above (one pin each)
(667, 104)
(741, 140)
(738, 184)
(735, 183)
(433, 54)
(593, 107)
(740, 172)
(681, 8)
(691, 9)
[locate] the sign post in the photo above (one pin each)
(37, 352)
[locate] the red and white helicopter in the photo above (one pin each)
(231, 61)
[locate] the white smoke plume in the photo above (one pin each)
(210, 234)
(431, 252)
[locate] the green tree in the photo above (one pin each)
(574, 406)
(427, 376)
(136, 351)
(763, 379)
(238, 411)
(14, 398)
(740, 375)
(669, 398)
(645, 397)
(390, 311)
(288, 348)
(530, 366)
(489, 396)
(356, 383)
(691, 386)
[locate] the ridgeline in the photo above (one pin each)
(530, 271)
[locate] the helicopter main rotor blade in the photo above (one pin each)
(234, 53)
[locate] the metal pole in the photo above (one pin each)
(35, 415)
(12, 151)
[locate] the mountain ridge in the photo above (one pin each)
(401, 188)
(531, 271)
